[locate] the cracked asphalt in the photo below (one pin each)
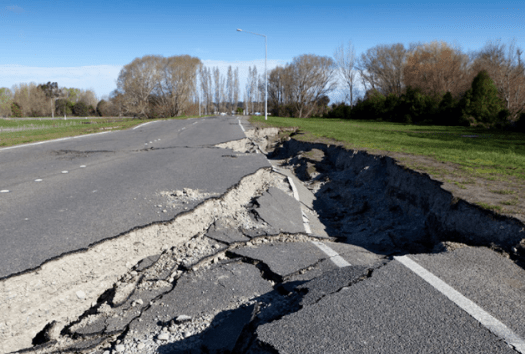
(235, 266)
(117, 190)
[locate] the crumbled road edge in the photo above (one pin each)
(64, 288)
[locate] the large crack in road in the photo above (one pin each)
(225, 275)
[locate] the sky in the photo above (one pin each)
(84, 44)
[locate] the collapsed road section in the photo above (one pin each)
(239, 273)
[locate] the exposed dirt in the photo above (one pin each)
(378, 203)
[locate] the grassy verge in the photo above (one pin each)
(14, 132)
(489, 162)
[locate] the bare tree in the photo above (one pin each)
(178, 85)
(229, 88)
(217, 82)
(381, 68)
(31, 99)
(312, 77)
(137, 81)
(345, 59)
(235, 88)
(6, 98)
(436, 68)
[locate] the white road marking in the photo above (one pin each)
(239, 120)
(65, 171)
(487, 320)
(82, 166)
(143, 124)
(38, 180)
(334, 256)
(4, 191)
(51, 141)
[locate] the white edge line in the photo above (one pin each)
(294, 189)
(143, 124)
(334, 256)
(487, 320)
(55, 140)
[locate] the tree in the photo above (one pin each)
(31, 100)
(6, 99)
(312, 77)
(436, 68)
(178, 84)
(503, 64)
(52, 92)
(381, 68)
(229, 88)
(345, 59)
(137, 81)
(481, 101)
(236, 87)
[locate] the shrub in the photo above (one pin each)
(16, 110)
(80, 109)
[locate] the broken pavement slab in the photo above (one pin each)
(280, 211)
(205, 292)
(284, 259)
(222, 233)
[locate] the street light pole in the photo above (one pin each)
(265, 72)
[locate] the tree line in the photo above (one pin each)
(434, 83)
(423, 83)
(44, 100)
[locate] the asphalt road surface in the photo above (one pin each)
(282, 286)
(99, 186)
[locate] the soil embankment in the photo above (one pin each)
(374, 202)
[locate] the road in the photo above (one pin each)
(242, 265)
(100, 186)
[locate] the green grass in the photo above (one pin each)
(492, 155)
(16, 131)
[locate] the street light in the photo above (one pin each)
(265, 74)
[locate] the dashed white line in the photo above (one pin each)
(483, 317)
(38, 180)
(65, 171)
(82, 166)
(5, 191)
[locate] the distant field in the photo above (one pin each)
(484, 153)
(21, 131)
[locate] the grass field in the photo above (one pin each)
(486, 164)
(482, 152)
(18, 131)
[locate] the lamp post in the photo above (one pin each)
(265, 73)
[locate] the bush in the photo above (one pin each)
(80, 109)
(16, 110)
(62, 105)
(520, 123)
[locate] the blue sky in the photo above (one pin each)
(85, 43)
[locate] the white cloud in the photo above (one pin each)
(99, 78)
